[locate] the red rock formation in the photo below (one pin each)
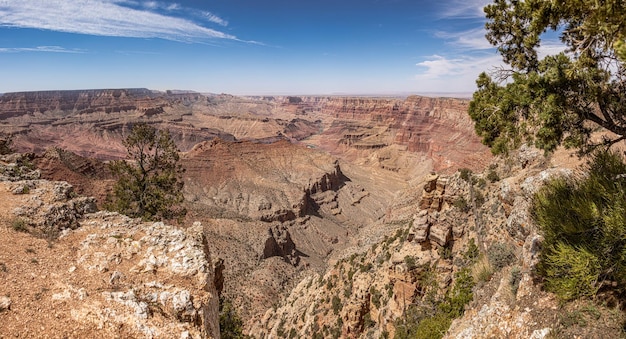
(437, 127)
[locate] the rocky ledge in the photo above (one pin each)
(96, 274)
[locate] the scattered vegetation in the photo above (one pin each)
(472, 252)
(337, 305)
(6, 142)
(500, 255)
(493, 176)
(482, 269)
(375, 296)
(19, 224)
(461, 203)
(231, 326)
(432, 318)
(466, 174)
(515, 278)
(583, 221)
(149, 184)
(410, 262)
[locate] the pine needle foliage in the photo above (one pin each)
(583, 221)
(149, 183)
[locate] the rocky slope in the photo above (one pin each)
(382, 287)
(66, 271)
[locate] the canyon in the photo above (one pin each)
(294, 202)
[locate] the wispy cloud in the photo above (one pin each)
(105, 18)
(464, 9)
(215, 19)
(454, 73)
(48, 49)
(472, 39)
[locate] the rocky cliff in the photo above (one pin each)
(66, 271)
(445, 232)
(440, 128)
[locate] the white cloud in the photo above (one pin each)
(473, 39)
(215, 19)
(104, 18)
(464, 9)
(49, 49)
(456, 74)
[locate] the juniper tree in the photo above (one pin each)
(557, 99)
(149, 182)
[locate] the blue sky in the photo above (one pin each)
(245, 46)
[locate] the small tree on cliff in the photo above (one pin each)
(6, 140)
(149, 184)
(561, 98)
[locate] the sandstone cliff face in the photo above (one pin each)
(86, 101)
(105, 276)
(437, 127)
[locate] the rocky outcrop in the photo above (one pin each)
(156, 279)
(279, 244)
(268, 182)
(106, 275)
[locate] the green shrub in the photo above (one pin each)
(465, 174)
(493, 176)
(461, 204)
(231, 326)
(337, 305)
(472, 251)
(573, 272)
(410, 262)
(433, 327)
(500, 255)
(583, 221)
(19, 224)
(375, 296)
(432, 319)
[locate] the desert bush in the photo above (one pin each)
(493, 176)
(515, 278)
(482, 270)
(500, 255)
(337, 305)
(465, 174)
(472, 252)
(375, 296)
(231, 326)
(583, 221)
(461, 204)
(432, 319)
(19, 224)
(410, 262)
(6, 141)
(149, 186)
